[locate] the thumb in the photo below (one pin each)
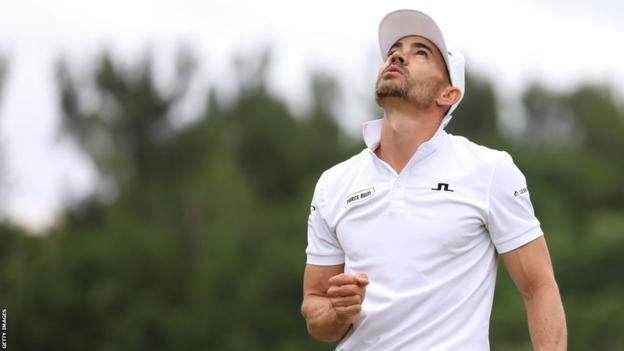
(362, 279)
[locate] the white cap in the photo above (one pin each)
(401, 23)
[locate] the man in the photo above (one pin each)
(403, 238)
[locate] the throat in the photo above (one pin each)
(401, 138)
(396, 159)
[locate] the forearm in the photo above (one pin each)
(546, 318)
(321, 319)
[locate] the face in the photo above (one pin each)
(414, 71)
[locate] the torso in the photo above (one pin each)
(421, 237)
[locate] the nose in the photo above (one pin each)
(397, 58)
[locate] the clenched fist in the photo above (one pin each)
(346, 293)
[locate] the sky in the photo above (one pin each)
(555, 42)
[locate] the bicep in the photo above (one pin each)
(529, 266)
(315, 278)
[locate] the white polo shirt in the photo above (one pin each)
(427, 238)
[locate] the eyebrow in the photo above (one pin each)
(396, 45)
(423, 46)
(416, 45)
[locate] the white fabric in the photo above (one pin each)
(430, 254)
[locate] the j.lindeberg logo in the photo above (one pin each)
(442, 186)
(521, 191)
(360, 196)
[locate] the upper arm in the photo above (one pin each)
(511, 221)
(315, 278)
(323, 248)
(529, 266)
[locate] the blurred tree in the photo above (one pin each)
(575, 158)
(127, 123)
(194, 238)
(4, 67)
(16, 248)
(3, 253)
(476, 117)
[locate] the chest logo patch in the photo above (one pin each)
(360, 196)
(442, 187)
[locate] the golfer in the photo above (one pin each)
(403, 238)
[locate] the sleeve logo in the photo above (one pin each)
(521, 192)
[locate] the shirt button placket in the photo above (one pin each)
(397, 201)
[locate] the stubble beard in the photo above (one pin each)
(420, 92)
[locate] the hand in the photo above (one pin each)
(346, 293)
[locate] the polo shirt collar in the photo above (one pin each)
(371, 132)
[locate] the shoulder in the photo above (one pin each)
(471, 149)
(336, 183)
(346, 169)
(503, 173)
(469, 152)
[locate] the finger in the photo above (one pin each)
(342, 279)
(346, 301)
(347, 312)
(345, 290)
(361, 279)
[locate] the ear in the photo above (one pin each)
(448, 96)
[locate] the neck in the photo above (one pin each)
(404, 129)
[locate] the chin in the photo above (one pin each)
(389, 84)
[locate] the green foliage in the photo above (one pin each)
(575, 177)
(195, 238)
(476, 117)
(4, 68)
(122, 120)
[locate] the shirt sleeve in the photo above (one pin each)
(323, 246)
(511, 219)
